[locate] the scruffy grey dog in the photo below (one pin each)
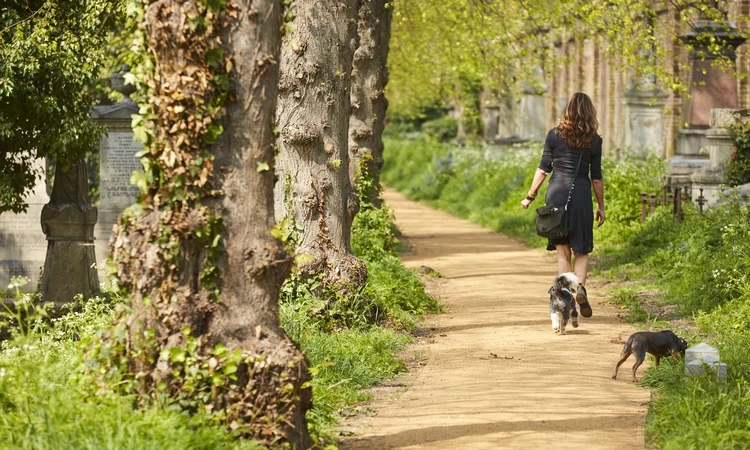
(562, 304)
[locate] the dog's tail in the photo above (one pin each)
(567, 281)
(628, 348)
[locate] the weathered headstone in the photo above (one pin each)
(22, 243)
(703, 355)
(644, 118)
(68, 221)
(117, 162)
(533, 125)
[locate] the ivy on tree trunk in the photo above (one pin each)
(196, 252)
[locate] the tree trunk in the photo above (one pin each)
(369, 105)
(200, 261)
(313, 191)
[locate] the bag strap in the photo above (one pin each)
(570, 193)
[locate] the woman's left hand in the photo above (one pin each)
(600, 217)
(525, 203)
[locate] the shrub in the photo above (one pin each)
(442, 129)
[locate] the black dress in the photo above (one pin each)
(561, 160)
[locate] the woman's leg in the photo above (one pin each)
(581, 265)
(563, 258)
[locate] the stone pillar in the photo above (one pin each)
(117, 162)
(22, 243)
(720, 147)
(68, 221)
(644, 118)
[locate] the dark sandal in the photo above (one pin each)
(583, 302)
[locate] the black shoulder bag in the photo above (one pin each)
(552, 221)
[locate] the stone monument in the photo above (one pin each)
(703, 355)
(710, 87)
(117, 162)
(720, 147)
(533, 126)
(22, 243)
(68, 221)
(644, 117)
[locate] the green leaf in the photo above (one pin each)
(262, 166)
(213, 133)
(215, 57)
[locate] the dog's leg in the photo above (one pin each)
(656, 360)
(555, 322)
(639, 357)
(623, 356)
(560, 321)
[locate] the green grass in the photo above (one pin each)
(44, 406)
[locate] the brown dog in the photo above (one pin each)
(659, 344)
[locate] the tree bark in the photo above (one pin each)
(189, 293)
(313, 188)
(369, 104)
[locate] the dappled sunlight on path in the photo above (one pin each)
(494, 374)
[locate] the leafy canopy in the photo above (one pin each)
(505, 44)
(50, 55)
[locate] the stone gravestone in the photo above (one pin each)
(533, 124)
(117, 162)
(703, 355)
(644, 118)
(22, 243)
(68, 221)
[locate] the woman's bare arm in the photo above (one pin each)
(539, 177)
(598, 186)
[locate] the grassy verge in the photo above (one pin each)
(350, 347)
(697, 270)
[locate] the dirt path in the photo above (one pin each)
(492, 372)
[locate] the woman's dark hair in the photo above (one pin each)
(578, 124)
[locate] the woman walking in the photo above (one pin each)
(572, 150)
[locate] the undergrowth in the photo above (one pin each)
(43, 406)
(44, 402)
(699, 265)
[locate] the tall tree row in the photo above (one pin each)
(369, 104)
(197, 253)
(314, 193)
